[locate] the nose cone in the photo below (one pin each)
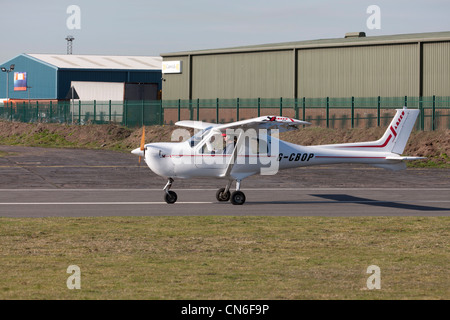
(157, 157)
(138, 152)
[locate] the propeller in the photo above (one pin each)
(142, 148)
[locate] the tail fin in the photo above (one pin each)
(399, 130)
(394, 139)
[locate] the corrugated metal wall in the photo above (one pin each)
(49, 82)
(100, 91)
(66, 76)
(386, 66)
(176, 86)
(368, 71)
(243, 75)
(436, 69)
(40, 77)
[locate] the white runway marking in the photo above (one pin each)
(202, 202)
(243, 189)
(94, 203)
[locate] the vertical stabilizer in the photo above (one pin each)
(393, 140)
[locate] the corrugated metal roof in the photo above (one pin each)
(74, 61)
(335, 42)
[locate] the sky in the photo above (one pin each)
(149, 28)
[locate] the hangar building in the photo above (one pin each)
(355, 66)
(50, 77)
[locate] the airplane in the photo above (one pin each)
(237, 150)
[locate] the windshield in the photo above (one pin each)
(196, 138)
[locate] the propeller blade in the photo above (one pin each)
(143, 139)
(142, 147)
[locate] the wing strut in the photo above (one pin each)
(234, 155)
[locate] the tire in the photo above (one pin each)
(222, 196)
(238, 198)
(171, 197)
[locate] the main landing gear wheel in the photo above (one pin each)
(221, 195)
(238, 198)
(170, 197)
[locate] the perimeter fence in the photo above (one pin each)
(352, 112)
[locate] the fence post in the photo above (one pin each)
(406, 101)
(304, 108)
(126, 113)
(37, 111)
(296, 108)
(95, 111)
(109, 103)
(79, 112)
(259, 107)
(10, 111)
(328, 112)
(237, 109)
(281, 107)
(51, 112)
(161, 113)
(422, 117)
(65, 111)
(217, 110)
(198, 108)
(353, 112)
(379, 111)
(433, 114)
(179, 107)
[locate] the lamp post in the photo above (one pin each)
(11, 68)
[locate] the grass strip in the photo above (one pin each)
(224, 257)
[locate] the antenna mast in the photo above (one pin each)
(69, 44)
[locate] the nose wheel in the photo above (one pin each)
(222, 195)
(170, 196)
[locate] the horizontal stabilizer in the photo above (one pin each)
(404, 158)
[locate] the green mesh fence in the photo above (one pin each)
(351, 112)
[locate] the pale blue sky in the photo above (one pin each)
(138, 27)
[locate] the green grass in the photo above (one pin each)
(224, 257)
(38, 139)
(442, 161)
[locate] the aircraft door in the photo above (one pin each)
(214, 152)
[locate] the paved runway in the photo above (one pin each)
(41, 182)
(267, 202)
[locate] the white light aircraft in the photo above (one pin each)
(241, 149)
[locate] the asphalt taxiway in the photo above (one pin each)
(44, 182)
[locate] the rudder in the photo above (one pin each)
(400, 128)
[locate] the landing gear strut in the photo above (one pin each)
(170, 196)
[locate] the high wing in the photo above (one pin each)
(283, 124)
(200, 125)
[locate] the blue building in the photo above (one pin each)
(50, 77)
